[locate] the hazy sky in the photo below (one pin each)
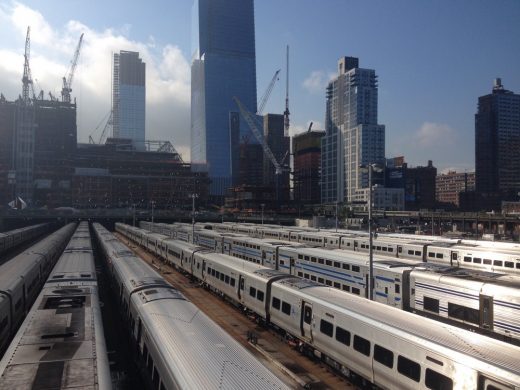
(433, 59)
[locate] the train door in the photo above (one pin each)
(263, 257)
(306, 320)
(454, 258)
(486, 312)
(399, 251)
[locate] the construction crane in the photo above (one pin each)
(67, 79)
(267, 93)
(286, 112)
(249, 118)
(27, 82)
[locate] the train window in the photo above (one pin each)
(477, 260)
(307, 258)
(436, 381)
(337, 264)
(487, 261)
(383, 356)
(326, 328)
(313, 259)
(337, 285)
(328, 262)
(286, 308)
(410, 252)
(276, 303)
(306, 276)
(355, 268)
(378, 248)
(321, 261)
(328, 282)
(3, 324)
(313, 278)
(400, 249)
(222, 277)
(346, 288)
(467, 259)
(409, 368)
(385, 249)
(232, 282)
(252, 291)
(260, 296)
(463, 313)
(213, 272)
(431, 254)
(217, 274)
(355, 291)
(321, 280)
(397, 288)
(439, 256)
(300, 257)
(509, 264)
(242, 284)
(300, 274)
(346, 266)
(343, 336)
(209, 270)
(518, 265)
(226, 279)
(498, 263)
(431, 304)
(391, 250)
(362, 345)
(417, 253)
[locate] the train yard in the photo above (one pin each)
(240, 306)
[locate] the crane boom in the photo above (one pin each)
(67, 79)
(27, 82)
(267, 93)
(251, 122)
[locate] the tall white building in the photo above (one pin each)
(353, 136)
(129, 97)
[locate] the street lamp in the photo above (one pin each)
(193, 196)
(371, 168)
(263, 205)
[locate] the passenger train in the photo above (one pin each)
(61, 344)
(22, 277)
(482, 301)
(482, 255)
(13, 238)
(387, 347)
(176, 345)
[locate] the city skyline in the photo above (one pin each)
(430, 73)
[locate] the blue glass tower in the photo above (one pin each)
(223, 66)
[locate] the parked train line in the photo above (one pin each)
(21, 280)
(478, 300)
(177, 346)
(390, 348)
(11, 239)
(61, 343)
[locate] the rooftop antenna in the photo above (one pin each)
(286, 112)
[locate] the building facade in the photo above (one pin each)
(306, 149)
(129, 97)
(352, 135)
(383, 198)
(497, 142)
(449, 185)
(223, 66)
(280, 146)
(420, 187)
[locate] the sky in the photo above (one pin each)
(433, 59)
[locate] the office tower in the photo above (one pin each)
(223, 66)
(279, 145)
(129, 97)
(306, 149)
(352, 135)
(497, 142)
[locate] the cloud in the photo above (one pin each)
(434, 134)
(52, 48)
(317, 81)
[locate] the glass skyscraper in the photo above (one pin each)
(223, 66)
(129, 97)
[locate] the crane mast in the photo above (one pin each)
(27, 82)
(67, 80)
(286, 112)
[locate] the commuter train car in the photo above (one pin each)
(392, 349)
(13, 238)
(61, 343)
(481, 301)
(186, 350)
(22, 277)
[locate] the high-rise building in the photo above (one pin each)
(280, 146)
(129, 97)
(497, 142)
(223, 66)
(449, 185)
(352, 135)
(306, 149)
